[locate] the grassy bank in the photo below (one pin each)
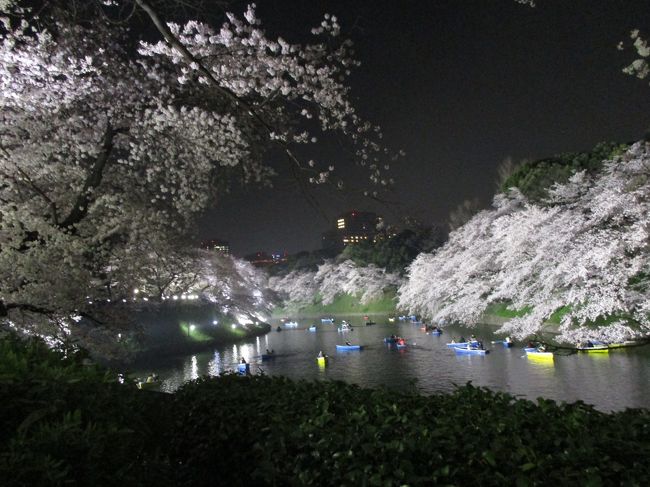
(66, 423)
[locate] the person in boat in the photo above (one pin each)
(590, 343)
(401, 341)
(242, 360)
(268, 352)
(461, 339)
(472, 338)
(348, 344)
(150, 379)
(530, 345)
(508, 340)
(480, 345)
(320, 354)
(453, 339)
(541, 348)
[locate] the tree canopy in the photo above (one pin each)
(111, 146)
(580, 255)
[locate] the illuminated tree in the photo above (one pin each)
(300, 288)
(581, 256)
(111, 147)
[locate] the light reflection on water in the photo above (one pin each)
(611, 381)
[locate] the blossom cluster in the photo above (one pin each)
(580, 256)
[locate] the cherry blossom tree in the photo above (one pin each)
(111, 147)
(581, 255)
(300, 288)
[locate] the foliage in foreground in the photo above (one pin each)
(62, 422)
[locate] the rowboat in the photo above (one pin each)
(327, 320)
(463, 344)
(321, 360)
(291, 324)
(346, 348)
(536, 354)
(594, 346)
(596, 349)
(312, 328)
(470, 351)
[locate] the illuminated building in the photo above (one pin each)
(352, 227)
(216, 245)
(262, 259)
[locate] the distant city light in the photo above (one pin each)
(215, 322)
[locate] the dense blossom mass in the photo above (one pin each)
(110, 148)
(580, 256)
(300, 288)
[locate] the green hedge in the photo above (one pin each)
(67, 423)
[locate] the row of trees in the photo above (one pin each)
(579, 256)
(301, 287)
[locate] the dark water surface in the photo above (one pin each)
(613, 381)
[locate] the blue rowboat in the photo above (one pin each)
(244, 369)
(312, 328)
(346, 348)
(463, 344)
(471, 351)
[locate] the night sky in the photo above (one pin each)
(459, 86)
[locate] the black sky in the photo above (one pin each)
(460, 86)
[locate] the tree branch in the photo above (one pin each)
(93, 180)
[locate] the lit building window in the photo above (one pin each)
(340, 223)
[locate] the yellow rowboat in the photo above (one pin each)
(598, 349)
(535, 355)
(322, 361)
